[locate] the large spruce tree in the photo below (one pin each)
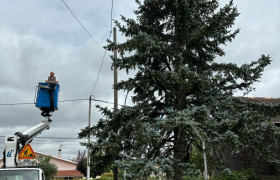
(173, 45)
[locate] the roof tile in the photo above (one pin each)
(69, 173)
(262, 100)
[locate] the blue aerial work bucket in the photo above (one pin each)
(47, 96)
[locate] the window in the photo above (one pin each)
(19, 175)
(43, 176)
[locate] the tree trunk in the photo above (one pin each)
(179, 152)
(179, 148)
(116, 173)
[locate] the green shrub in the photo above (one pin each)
(245, 174)
(107, 176)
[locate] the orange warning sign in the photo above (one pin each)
(27, 153)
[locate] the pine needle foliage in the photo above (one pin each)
(173, 45)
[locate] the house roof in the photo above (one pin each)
(40, 153)
(69, 173)
(262, 100)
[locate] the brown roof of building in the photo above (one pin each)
(262, 100)
(69, 173)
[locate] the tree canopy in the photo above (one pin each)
(182, 95)
(81, 162)
(50, 169)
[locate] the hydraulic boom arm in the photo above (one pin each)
(15, 143)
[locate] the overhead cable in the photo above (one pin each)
(15, 104)
(94, 39)
(10, 104)
(81, 24)
(55, 137)
(104, 52)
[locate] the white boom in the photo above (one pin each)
(12, 168)
(15, 143)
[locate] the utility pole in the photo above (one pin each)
(115, 170)
(115, 73)
(88, 159)
(205, 164)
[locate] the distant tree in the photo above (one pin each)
(81, 162)
(100, 163)
(50, 169)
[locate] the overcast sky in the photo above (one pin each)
(39, 36)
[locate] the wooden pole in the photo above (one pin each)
(88, 159)
(115, 73)
(115, 170)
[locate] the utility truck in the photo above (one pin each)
(17, 146)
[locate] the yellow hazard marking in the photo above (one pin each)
(27, 153)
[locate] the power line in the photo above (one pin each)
(55, 137)
(11, 104)
(104, 52)
(121, 76)
(51, 142)
(15, 104)
(81, 24)
(99, 70)
(57, 144)
(112, 14)
(94, 40)
(65, 141)
(36, 141)
(73, 100)
(58, 138)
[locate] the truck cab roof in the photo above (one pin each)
(22, 173)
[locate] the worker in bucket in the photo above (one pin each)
(52, 78)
